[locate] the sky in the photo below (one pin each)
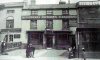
(44, 1)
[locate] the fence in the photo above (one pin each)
(13, 45)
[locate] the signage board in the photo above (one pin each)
(89, 3)
(48, 17)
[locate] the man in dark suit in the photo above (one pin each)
(3, 47)
(30, 50)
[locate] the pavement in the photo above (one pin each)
(42, 54)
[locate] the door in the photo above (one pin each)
(49, 42)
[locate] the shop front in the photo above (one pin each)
(89, 39)
(55, 39)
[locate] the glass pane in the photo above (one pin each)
(49, 24)
(33, 24)
(9, 23)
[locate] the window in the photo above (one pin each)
(6, 38)
(33, 24)
(49, 12)
(16, 35)
(72, 22)
(65, 12)
(10, 38)
(92, 10)
(9, 23)
(10, 11)
(49, 24)
(65, 24)
(34, 12)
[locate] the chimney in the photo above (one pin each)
(29, 2)
(62, 2)
(33, 2)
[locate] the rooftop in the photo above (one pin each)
(13, 4)
(42, 6)
(52, 6)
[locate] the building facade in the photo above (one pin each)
(88, 29)
(50, 25)
(46, 26)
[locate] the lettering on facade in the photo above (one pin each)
(48, 17)
(89, 3)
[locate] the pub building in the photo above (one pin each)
(56, 26)
(44, 25)
(57, 21)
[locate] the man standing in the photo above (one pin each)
(33, 49)
(3, 47)
(30, 50)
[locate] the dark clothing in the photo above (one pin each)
(33, 49)
(3, 47)
(30, 51)
(70, 54)
(27, 53)
(74, 51)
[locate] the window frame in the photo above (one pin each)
(11, 23)
(64, 26)
(10, 11)
(49, 24)
(34, 12)
(11, 38)
(49, 12)
(33, 25)
(65, 12)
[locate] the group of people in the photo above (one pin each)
(71, 51)
(30, 51)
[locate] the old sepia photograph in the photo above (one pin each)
(49, 29)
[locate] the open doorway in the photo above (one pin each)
(49, 41)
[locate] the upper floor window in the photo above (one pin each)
(10, 11)
(65, 24)
(34, 12)
(49, 24)
(33, 24)
(49, 12)
(92, 10)
(10, 22)
(65, 12)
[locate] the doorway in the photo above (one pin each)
(49, 41)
